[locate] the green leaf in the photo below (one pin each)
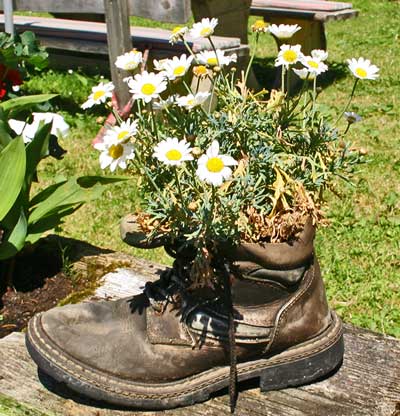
(15, 240)
(36, 150)
(28, 38)
(12, 173)
(49, 222)
(20, 103)
(69, 193)
(45, 193)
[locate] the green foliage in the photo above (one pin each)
(25, 217)
(22, 52)
(11, 407)
(12, 172)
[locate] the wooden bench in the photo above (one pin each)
(310, 15)
(367, 384)
(81, 43)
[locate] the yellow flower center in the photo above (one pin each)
(289, 56)
(191, 101)
(148, 89)
(259, 25)
(361, 72)
(173, 154)
(176, 29)
(122, 134)
(215, 164)
(98, 94)
(313, 64)
(212, 61)
(179, 70)
(206, 31)
(200, 70)
(116, 151)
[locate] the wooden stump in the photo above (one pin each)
(367, 384)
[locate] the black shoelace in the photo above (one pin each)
(162, 292)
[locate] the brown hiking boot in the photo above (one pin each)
(150, 352)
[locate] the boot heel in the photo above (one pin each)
(304, 370)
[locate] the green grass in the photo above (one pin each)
(10, 407)
(359, 251)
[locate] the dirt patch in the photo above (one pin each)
(41, 280)
(19, 307)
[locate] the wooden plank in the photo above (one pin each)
(96, 31)
(367, 384)
(119, 41)
(312, 5)
(163, 10)
(272, 12)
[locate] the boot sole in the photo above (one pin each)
(296, 366)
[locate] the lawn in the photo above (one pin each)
(360, 250)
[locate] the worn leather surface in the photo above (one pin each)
(131, 340)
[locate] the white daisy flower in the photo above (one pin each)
(283, 31)
(163, 104)
(114, 153)
(305, 74)
(190, 101)
(129, 61)
(173, 152)
(177, 67)
(124, 131)
(159, 64)
(319, 54)
(177, 34)
(99, 94)
(211, 58)
(313, 64)
(59, 127)
(288, 55)
(362, 68)
(213, 168)
(147, 86)
(203, 29)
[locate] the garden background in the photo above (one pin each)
(360, 250)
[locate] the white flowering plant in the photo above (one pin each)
(226, 164)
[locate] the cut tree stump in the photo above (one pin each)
(367, 384)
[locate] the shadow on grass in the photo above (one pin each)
(269, 76)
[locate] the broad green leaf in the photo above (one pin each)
(49, 222)
(20, 103)
(36, 150)
(14, 241)
(68, 193)
(12, 173)
(45, 193)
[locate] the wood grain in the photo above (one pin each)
(177, 11)
(367, 384)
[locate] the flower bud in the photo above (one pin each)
(196, 151)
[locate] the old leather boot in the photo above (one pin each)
(147, 352)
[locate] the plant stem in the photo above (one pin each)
(314, 98)
(246, 75)
(283, 79)
(348, 102)
(178, 184)
(154, 122)
(288, 81)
